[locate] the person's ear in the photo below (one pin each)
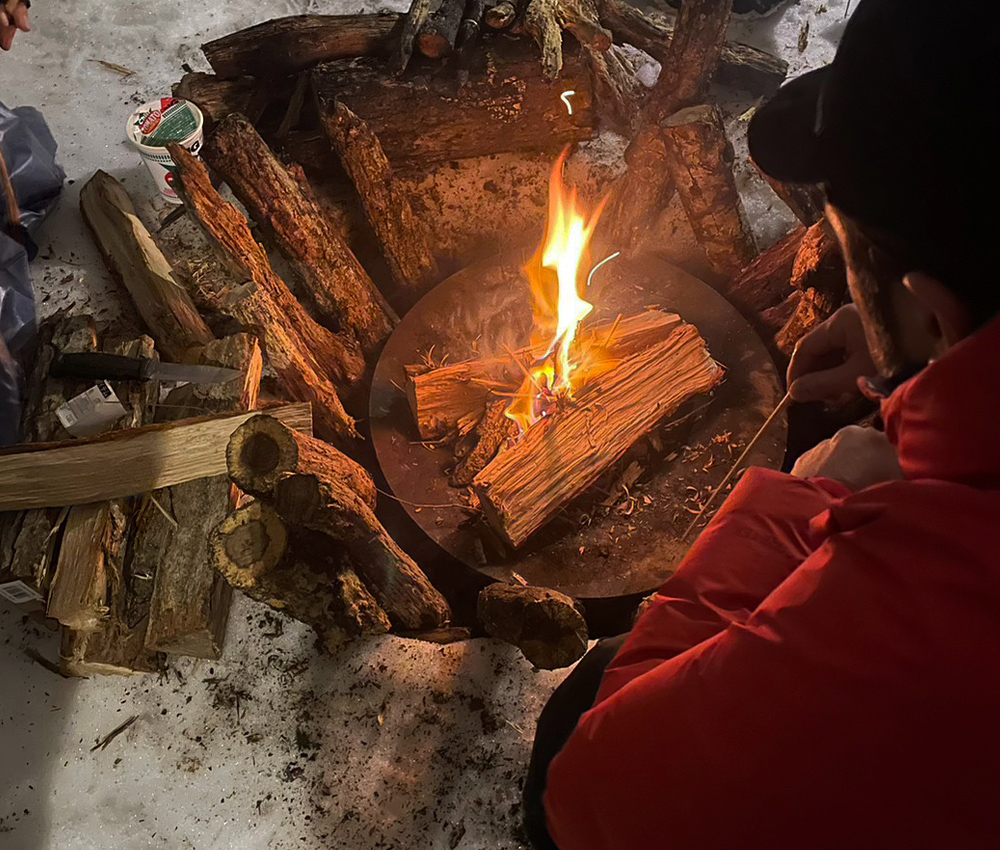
(949, 319)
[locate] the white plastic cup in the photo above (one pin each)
(152, 126)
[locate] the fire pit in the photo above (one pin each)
(623, 536)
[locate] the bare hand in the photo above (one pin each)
(11, 22)
(841, 340)
(857, 457)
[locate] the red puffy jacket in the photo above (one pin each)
(823, 671)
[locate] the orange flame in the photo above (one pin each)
(558, 276)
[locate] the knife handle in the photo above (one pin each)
(115, 367)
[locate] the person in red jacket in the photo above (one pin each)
(823, 670)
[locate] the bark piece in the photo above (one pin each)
(251, 550)
(403, 237)
(439, 33)
(310, 361)
(694, 53)
(506, 105)
(125, 463)
(189, 608)
(326, 503)
(501, 16)
(740, 66)
(443, 399)
(286, 46)
(136, 261)
(560, 456)
(262, 451)
(492, 432)
(701, 161)
(338, 285)
(547, 626)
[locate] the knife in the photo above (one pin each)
(117, 367)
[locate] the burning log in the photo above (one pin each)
(307, 580)
(310, 361)
(262, 451)
(701, 163)
(285, 46)
(561, 455)
(341, 289)
(547, 626)
(455, 397)
(317, 487)
(403, 238)
(506, 105)
(694, 53)
(819, 274)
(437, 36)
(135, 260)
(491, 433)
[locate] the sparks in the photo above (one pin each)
(565, 96)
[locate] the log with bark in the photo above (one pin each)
(125, 463)
(216, 96)
(301, 575)
(189, 607)
(694, 53)
(560, 456)
(506, 105)
(806, 202)
(766, 282)
(332, 276)
(493, 430)
(700, 160)
(547, 626)
(414, 20)
(404, 238)
(454, 397)
(436, 38)
(135, 260)
(501, 16)
(311, 362)
(285, 46)
(324, 494)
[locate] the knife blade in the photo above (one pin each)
(93, 366)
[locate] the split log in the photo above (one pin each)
(285, 46)
(820, 275)
(806, 202)
(134, 259)
(189, 608)
(262, 451)
(507, 105)
(322, 500)
(90, 567)
(215, 96)
(547, 626)
(250, 548)
(442, 637)
(28, 538)
(412, 23)
(334, 279)
(493, 430)
(438, 35)
(701, 163)
(559, 457)
(740, 66)
(310, 361)
(501, 16)
(695, 51)
(444, 398)
(403, 237)
(125, 463)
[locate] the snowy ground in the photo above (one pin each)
(393, 744)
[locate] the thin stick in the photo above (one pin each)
(729, 475)
(114, 733)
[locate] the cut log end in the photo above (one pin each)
(259, 452)
(248, 543)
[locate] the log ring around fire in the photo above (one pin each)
(592, 553)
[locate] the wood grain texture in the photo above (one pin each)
(311, 362)
(340, 288)
(560, 456)
(125, 463)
